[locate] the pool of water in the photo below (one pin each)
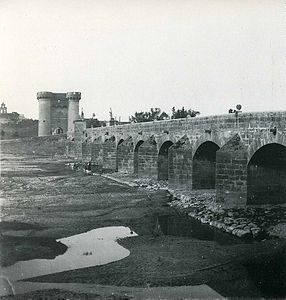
(267, 274)
(95, 247)
(181, 225)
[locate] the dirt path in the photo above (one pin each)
(123, 292)
(44, 198)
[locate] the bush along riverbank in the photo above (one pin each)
(249, 222)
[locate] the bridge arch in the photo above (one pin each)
(266, 175)
(263, 139)
(214, 138)
(136, 156)
(120, 142)
(109, 139)
(163, 160)
(118, 154)
(93, 138)
(204, 165)
(164, 139)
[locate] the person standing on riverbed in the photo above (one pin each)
(87, 168)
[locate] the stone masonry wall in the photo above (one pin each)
(180, 165)
(109, 154)
(231, 173)
(97, 152)
(126, 156)
(148, 164)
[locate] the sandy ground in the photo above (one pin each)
(43, 198)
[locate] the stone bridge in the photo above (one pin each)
(242, 156)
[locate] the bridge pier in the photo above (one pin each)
(125, 156)
(148, 159)
(97, 152)
(231, 173)
(109, 155)
(180, 165)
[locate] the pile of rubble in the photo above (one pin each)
(134, 181)
(151, 184)
(248, 222)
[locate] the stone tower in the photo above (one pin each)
(57, 112)
(73, 110)
(44, 99)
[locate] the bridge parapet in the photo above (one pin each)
(246, 123)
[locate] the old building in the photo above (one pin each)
(57, 112)
(6, 117)
(15, 125)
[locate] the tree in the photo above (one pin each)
(152, 115)
(182, 113)
(164, 116)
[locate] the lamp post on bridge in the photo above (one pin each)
(236, 113)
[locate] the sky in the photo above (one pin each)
(131, 55)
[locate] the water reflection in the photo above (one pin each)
(92, 248)
(180, 225)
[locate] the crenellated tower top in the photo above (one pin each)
(45, 95)
(73, 95)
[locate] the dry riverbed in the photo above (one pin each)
(43, 200)
(249, 223)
